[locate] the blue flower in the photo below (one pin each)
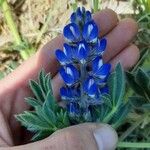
(81, 16)
(104, 90)
(82, 52)
(90, 32)
(70, 94)
(72, 32)
(73, 109)
(99, 69)
(65, 56)
(101, 46)
(70, 74)
(83, 70)
(90, 87)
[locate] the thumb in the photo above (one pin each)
(87, 136)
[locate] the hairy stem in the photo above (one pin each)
(109, 116)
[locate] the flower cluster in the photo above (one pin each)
(82, 67)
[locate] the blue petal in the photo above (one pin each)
(73, 17)
(71, 32)
(70, 93)
(104, 71)
(97, 64)
(104, 90)
(66, 93)
(88, 16)
(61, 57)
(82, 51)
(90, 32)
(90, 87)
(69, 74)
(79, 13)
(68, 51)
(73, 109)
(101, 46)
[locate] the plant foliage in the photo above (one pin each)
(47, 116)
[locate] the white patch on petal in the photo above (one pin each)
(65, 51)
(82, 61)
(91, 82)
(69, 71)
(72, 30)
(90, 28)
(100, 63)
(102, 76)
(81, 46)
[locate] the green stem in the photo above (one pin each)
(95, 5)
(10, 22)
(109, 116)
(133, 145)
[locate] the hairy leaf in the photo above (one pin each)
(33, 102)
(37, 91)
(116, 83)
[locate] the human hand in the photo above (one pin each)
(14, 87)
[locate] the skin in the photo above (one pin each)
(14, 87)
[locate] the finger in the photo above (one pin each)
(86, 136)
(120, 37)
(128, 58)
(5, 134)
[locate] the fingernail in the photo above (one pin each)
(106, 138)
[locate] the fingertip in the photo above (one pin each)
(106, 137)
(106, 20)
(128, 57)
(130, 26)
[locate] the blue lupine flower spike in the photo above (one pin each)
(83, 70)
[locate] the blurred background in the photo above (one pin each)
(25, 25)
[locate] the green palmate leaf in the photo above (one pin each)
(32, 122)
(47, 116)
